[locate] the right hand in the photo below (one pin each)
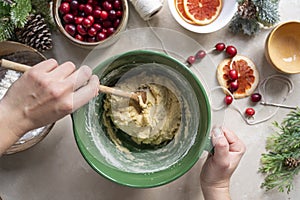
(219, 167)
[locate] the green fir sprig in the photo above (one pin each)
(283, 145)
(15, 13)
(252, 15)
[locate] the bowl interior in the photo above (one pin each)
(142, 165)
(284, 47)
(229, 8)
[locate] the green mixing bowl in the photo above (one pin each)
(120, 159)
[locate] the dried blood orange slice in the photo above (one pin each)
(181, 11)
(202, 12)
(248, 76)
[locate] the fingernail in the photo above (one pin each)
(217, 132)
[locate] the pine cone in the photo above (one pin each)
(291, 163)
(35, 33)
(247, 10)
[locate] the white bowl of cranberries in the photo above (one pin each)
(90, 23)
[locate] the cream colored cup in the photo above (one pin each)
(282, 48)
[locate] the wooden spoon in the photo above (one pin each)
(105, 89)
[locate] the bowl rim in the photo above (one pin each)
(209, 28)
(269, 44)
(202, 145)
(112, 37)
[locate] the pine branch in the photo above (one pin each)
(43, 8)
(283, 144)
(246, 26)
(268, 13)
(19, 12)
(6, 29)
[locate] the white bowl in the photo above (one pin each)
(229, 8)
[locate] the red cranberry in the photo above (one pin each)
(233, 74)
(70, 28)
(81, 7)
(86, 23)
(112, 14)
(78, 20)
(79, 37)
(101, 36)
(97, 13)
(104, 14)
(107, 24)
(88, 9)
(97, 27)
(200, 54)
(231, 51)
(64, 8)
(81, 30)
(220, 46)
(92, 31)
(107, 6)
(228, 99)
(117, 4)
(91, 39)
(250, 112)
(110, 31)
(74, 5)
(255, 97)
(191, 60)
(91, 18)
(68, 18)
(119, 13)
(116, 23)
(233, 86)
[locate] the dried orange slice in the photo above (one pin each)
(202, 12)
(181, 12)
(248, 76)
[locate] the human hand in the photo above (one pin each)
(218, 168)
(44, 94)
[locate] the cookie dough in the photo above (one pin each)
(153, 122)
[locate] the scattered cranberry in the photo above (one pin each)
(90, 20)
(191, 60)
(255, 97)
(233, 74)
(228, 99)
(231, 51)
(200, 54)
(64, 8)
(233, 86)
(220, 46)
(250, 112)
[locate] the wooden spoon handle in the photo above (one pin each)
(14, 66)
(107, 90)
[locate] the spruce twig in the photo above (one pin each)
(283, 148)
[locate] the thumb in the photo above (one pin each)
(221, 147)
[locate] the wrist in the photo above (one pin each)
(215, 192)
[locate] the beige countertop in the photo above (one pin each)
(54, 169)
